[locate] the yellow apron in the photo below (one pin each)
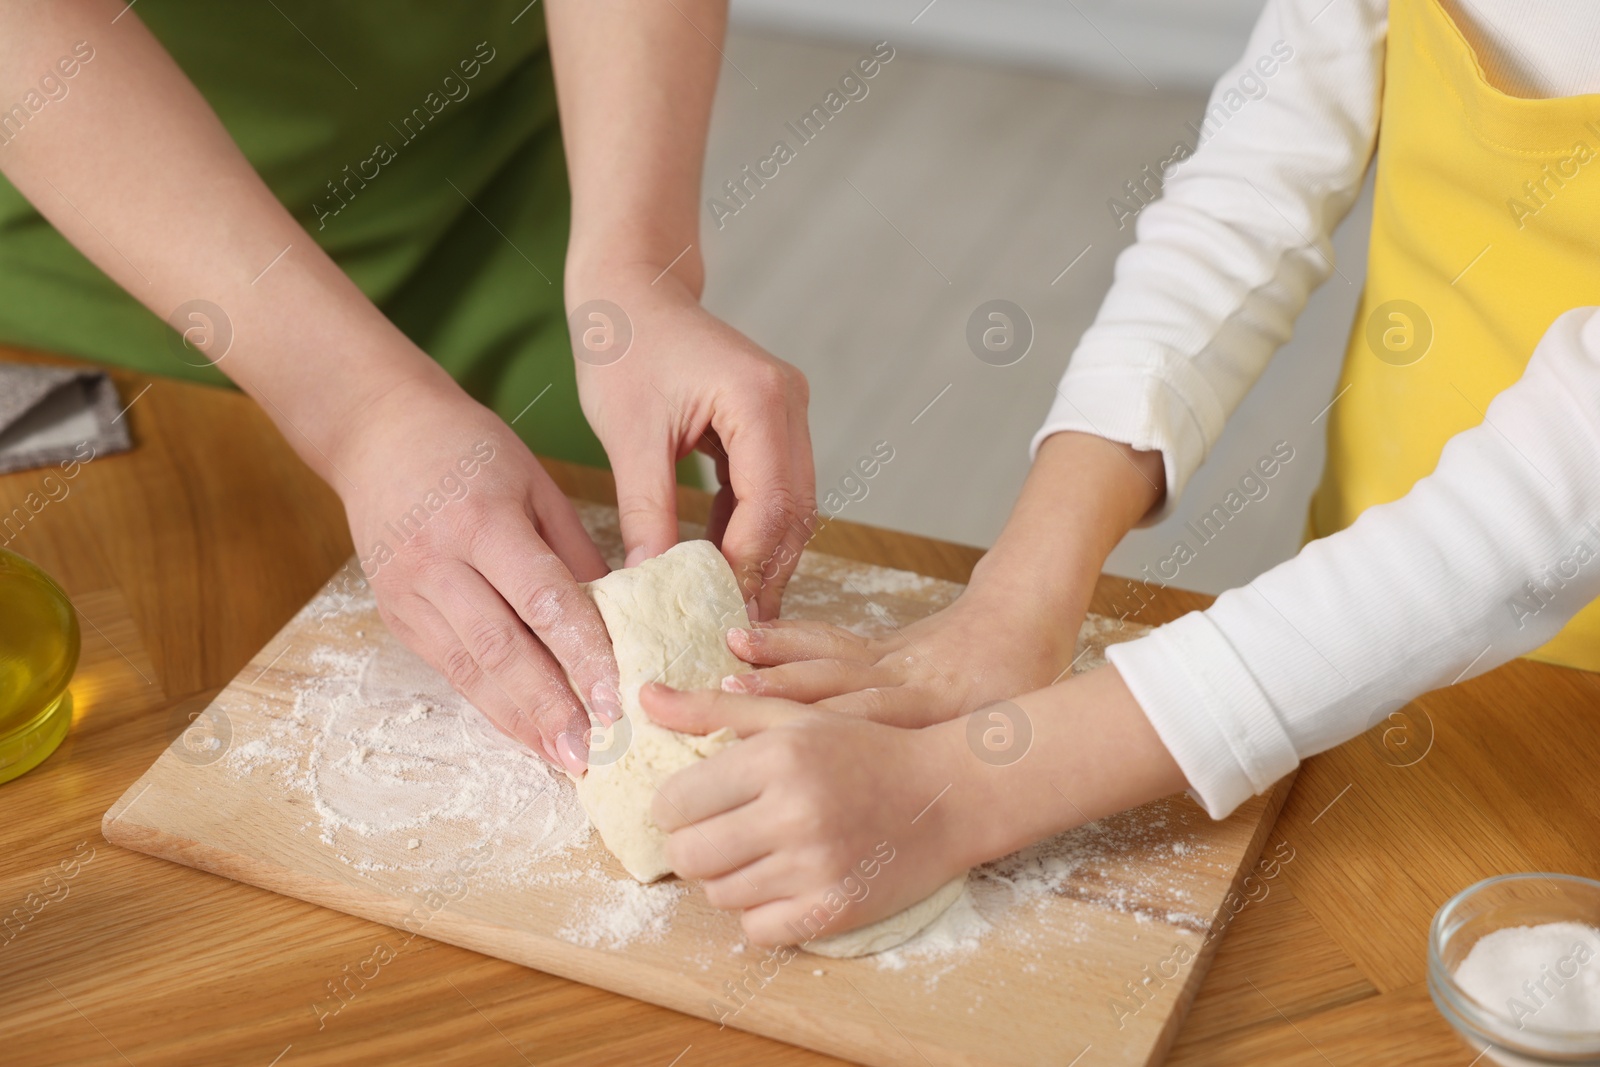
(1486, 228)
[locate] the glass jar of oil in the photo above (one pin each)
(38, 653)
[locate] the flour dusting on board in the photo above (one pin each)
(1123, 863)
(626, 911)
(397, 758)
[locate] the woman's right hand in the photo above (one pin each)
(475, 557)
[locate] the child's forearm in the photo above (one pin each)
(1082, 495)
(1486, 558)
(1089, 752)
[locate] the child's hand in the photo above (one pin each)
(978, 650)
(1015, 627)
(810, 804)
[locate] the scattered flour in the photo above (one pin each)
(886, 582)
(627, 911)
(955, 932)
(385, 754)
(1124, 862)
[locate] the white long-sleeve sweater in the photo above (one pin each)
(1415, 594)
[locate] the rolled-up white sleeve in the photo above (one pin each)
(1227, 256)
(1483, 560)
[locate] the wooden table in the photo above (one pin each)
(188, 554)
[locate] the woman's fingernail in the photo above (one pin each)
(738, 638)
(574, 752)
(635, 556)
(740, 683)
(606, 701)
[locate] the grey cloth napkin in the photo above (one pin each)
(48, 413)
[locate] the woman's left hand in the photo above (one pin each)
(688, 381)
(812, 810)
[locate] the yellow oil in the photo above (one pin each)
(38, 653)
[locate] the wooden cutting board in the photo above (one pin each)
(338, 769)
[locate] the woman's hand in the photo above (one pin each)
(475, 557)
(634, 83)
(807, 806)
(984, 647)
(688, 381)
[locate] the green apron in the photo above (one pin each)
(418, 143)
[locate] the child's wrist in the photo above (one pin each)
(1001, 800)
(1027, 594)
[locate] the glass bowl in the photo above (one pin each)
(1495, 904)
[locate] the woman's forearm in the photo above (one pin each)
(135, 169)
(635, 84)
